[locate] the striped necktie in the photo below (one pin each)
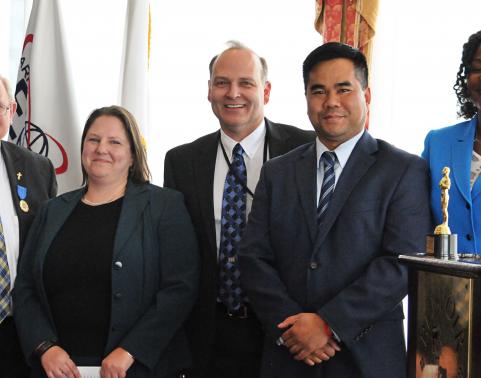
(5, 297)
(328, 159)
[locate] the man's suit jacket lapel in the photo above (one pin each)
(277, 141)
(360, 160)
(14, 164)
(204, 167)
(306, 181)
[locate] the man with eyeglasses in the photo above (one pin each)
(26, 180)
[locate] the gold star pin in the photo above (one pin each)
(19, 175)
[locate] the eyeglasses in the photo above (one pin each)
(4, 110)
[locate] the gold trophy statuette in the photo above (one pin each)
(444, 185)
(442, 243)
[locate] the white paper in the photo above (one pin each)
(89, 371)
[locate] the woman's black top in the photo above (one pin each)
(77, 277)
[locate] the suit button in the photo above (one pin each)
(313, 265)
(118, 265)
(468, 206)
(118, 295)
(469, 237)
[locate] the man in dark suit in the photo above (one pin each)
(226, 337)
(26, 180)
(319, 255)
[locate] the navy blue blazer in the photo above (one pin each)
(155, 268)
(345, 270)
(453, 147)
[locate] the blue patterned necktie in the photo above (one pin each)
(5, 297)
(328, 159)
(233, 221)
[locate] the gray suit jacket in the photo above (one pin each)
(157, 279)
(346, 269)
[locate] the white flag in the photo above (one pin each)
(134, 81)
(46, 118)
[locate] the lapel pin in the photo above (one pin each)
(19, 176)
(24, 206)
(22, 194)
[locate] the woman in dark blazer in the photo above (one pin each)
(109, 271)
(459, 148)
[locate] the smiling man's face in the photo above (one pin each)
(337, 105)
(238, 93)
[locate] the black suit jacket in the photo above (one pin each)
(345, 269)
(36, 174)
(190, 169)
(154, 279)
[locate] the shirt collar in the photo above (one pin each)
(343, 151)
(250, 144)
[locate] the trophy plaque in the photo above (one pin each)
(444, 319)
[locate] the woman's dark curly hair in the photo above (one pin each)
(466, 107)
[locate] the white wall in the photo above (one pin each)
(416, 55)
(416, 58)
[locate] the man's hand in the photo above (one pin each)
(116, 364)
(323, 354)
(57, 364)
(306, 335)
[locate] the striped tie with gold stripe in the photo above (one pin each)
(5, 298)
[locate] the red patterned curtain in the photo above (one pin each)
(348, 21)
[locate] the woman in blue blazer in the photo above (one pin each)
(459, 148)
(109, 272)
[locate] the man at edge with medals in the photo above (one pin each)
(26, 180)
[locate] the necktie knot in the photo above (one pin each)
(328, 158)
(238, 165)
(237, 152)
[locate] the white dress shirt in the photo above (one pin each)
(9, 221)
(253, 146)
(343, 151)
